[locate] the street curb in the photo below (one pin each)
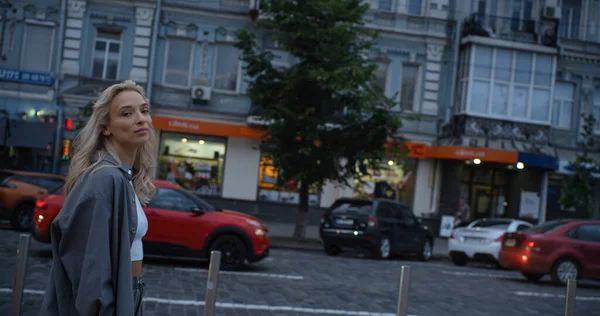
(312, 248)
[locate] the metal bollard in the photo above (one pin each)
(570, 299)
(19, 279)
(403, 292)
(211, 283)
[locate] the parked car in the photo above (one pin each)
(381, 226)
(184, 225)
(18, 192)
(481, 240)
(564, 249)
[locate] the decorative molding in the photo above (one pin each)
(76, 9)
(434, 52)
(492, 129)
(144, 16)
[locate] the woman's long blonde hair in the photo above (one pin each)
(89, 142)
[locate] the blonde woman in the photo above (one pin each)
(96, 239)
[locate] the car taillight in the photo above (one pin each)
(41, 204)
(500, 238)
(373, 223)
(451, 235)
(531, 245)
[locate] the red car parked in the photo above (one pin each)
(565, 249)
(182, 224)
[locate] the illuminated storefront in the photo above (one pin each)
(193, 161)
(394, 180)
(273, 187)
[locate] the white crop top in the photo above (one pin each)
(137, 249)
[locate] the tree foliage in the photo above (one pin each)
(577, 190)
(327, 119)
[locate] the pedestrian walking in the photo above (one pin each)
(97, 237)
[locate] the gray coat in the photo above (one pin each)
(91, 244)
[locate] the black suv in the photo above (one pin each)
(381, 226)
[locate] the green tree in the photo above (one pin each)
(327, 119)
(577, 190)
(86, 112)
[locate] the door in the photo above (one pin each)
(410, 231)
(588, 236)
(172, 226)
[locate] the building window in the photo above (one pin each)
(570, 19)
(563, 105)
(385, 5)
(381, 76)
(193, 161)
(274, 187)
(596, 108)
(408, 86)
(415, 7)
(394, 180)
(107, 49)
(178, 62)
(509, 84)
(37, 48)
(227, 68)
(521, 16)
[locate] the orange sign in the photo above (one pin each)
(416, 150)
(205, 127)
(468, 153)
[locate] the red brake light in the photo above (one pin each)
(323, 218)
(451, 235)
(500, 238)
(373, 223)
(41, 204)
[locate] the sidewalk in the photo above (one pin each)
(281, 234)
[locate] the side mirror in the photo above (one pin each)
(196, 210)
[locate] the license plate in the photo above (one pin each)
(344, 221)
(510, 242)
(475, 239)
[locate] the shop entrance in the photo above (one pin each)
(484, 190)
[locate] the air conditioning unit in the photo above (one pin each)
(201, 93)
(551, 12)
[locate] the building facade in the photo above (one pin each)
(182, 53)
(525, 75)
(30, 31)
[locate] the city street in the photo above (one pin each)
(310, 283)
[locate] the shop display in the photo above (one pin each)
(273, 187)
(389, 182)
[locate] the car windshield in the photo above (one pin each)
(546, 227)
(360, 207)
(492, 224)
(205, 206)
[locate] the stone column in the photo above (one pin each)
(141, 48)
(432, 78)
(72, 44)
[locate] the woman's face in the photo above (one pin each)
(129, 121)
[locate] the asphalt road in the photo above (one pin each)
(310, 283)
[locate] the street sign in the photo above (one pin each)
(38, 78)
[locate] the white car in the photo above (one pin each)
(482, 239)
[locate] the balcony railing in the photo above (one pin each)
(508, 28)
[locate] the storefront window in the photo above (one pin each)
(273, 187)
(394, 180)
(193, 161)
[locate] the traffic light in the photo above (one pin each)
(66, 149)
(68, 124)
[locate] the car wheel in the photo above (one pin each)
(533, 277)
(233, 251)
(22, 218)
(426, 251)
(459, 259)
(564, 269)
(331, 250)
(383, 249)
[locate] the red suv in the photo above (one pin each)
(565, 249)
(182, 224)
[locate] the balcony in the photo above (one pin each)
(511, 29)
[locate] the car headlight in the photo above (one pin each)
(253, 222)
